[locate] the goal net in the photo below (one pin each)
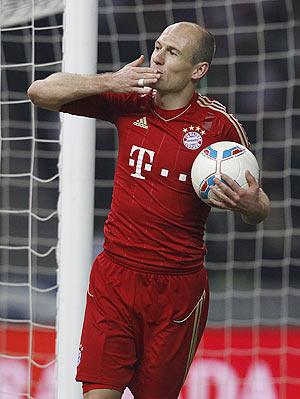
(251, 347)
(29, 146)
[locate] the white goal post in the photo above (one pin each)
(76, 199)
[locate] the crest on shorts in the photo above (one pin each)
(79, 354)
(192, 138)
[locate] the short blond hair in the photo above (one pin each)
(206, 48)
(204, 42)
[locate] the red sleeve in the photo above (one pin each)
(106, 106)
(233, 130)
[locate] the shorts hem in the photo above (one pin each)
(141, 395)
(89, 383)
(87, 387)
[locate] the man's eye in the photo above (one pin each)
(173, 52)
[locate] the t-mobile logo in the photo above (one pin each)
(139, 162)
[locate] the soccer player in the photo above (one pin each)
(148, 295)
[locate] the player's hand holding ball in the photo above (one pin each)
(225, 175)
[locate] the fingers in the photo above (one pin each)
(142, 76)
(146, 82)
(229, 182)
(150, 72)
(134, 78)
(138, 61)
(146, 70)
(143, 90)
(227, 186)
(217, 204)
(227, 194)
(226, 191)
(227, 198)
(250, 179)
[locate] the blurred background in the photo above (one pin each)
(254, 270)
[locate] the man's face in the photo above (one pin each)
(172, 57)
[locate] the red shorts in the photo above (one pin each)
(141, 329)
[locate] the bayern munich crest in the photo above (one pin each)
(193, 137)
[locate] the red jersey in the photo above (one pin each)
(156, 219)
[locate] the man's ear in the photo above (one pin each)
(200, 70)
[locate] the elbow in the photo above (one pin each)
(34, 91)
(39, 94)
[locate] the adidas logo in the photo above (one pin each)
(141, 123)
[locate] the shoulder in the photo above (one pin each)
(213, 106)
(226, 125)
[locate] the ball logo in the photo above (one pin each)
(192, 140)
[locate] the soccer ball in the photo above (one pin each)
(227, 157)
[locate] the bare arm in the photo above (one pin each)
(61, 88)
(252, 203)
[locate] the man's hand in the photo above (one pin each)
(133, 78)
(252, 203)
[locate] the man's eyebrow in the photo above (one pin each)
(169, 47)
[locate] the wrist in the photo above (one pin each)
(89, 85)
(103, 82)
(257, 215)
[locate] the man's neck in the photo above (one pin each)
(169, 101)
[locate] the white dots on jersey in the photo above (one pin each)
(148, 167)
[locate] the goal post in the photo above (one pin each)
(76, 198)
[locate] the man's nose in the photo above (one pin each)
(159, 57)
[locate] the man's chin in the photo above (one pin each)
(153, 85)
(157, 85)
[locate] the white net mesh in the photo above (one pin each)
(250, 349)
(29, 190)
(17, 12)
